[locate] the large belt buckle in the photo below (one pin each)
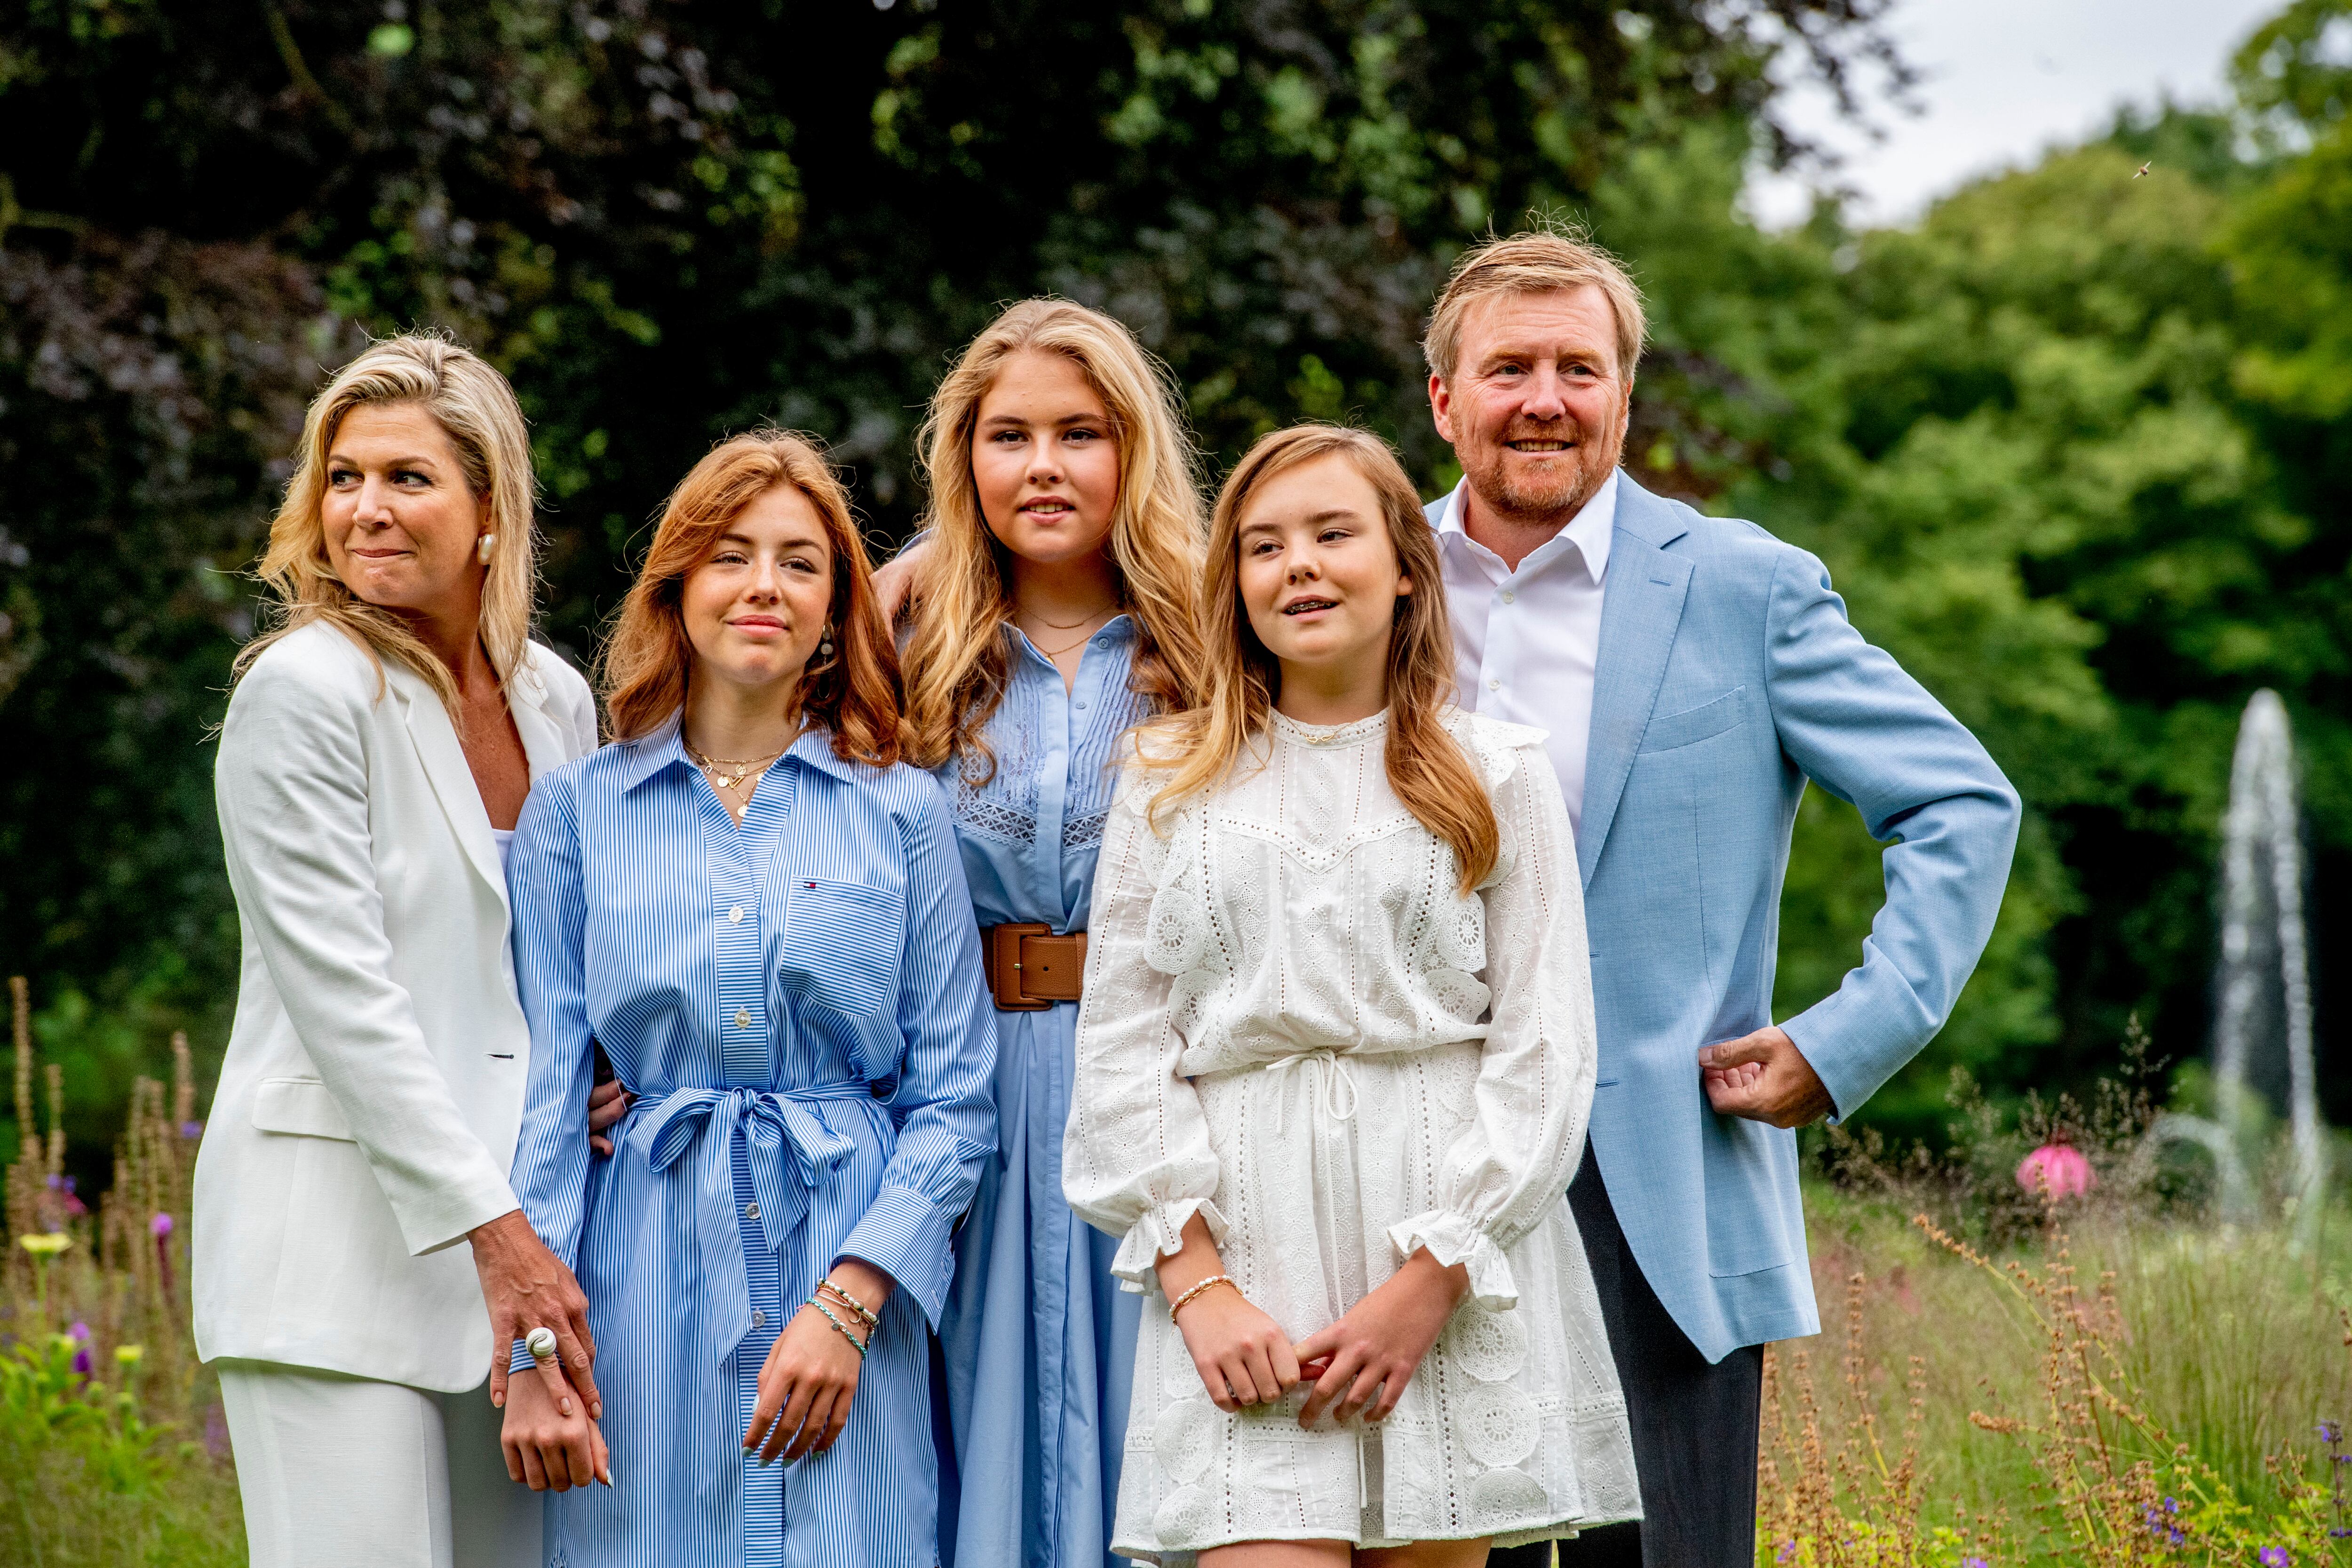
(1004, 965)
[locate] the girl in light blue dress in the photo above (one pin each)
(1054, 607)
(759, 914)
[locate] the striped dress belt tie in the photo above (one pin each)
(790, 1152)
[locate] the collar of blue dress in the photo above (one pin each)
(661, 747)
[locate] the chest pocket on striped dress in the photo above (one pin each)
(841, 944)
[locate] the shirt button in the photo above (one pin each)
(751, 1209)
(1494, 685)
(758, 1317)
(742, 1017)
(1082, 706)
(1510, 597)
(735, 916)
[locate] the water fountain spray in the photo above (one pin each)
(2263, 956)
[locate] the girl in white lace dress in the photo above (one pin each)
(1334, 1062)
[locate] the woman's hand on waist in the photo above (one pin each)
(607, 1103)
(527, 1287)
(1241, 1354)
(1374, 1349)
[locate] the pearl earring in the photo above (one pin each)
(488, 542)
(825, 647)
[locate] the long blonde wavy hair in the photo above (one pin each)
(476, 409)
(1428, 768)
(955, 654)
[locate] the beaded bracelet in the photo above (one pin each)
(1178, 1304)
(864, 1314)
(838, 1326)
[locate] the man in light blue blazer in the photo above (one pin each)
(1693, 673)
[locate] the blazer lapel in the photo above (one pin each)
(1639, 614)
(444, 765)
(542, 742)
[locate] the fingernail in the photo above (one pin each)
(597, 1410)
(567, 1407)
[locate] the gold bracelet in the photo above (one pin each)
(1178, 1304)
(838, 1326)
(864, 1314)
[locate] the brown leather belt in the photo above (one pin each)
(1030, 968)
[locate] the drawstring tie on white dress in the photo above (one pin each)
(1336, 1078)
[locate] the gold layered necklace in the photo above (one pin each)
(729, 775)
(1093, 623)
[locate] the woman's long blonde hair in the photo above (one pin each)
(956, 650)
(476, 410)
(1427, 768)
(852, 693)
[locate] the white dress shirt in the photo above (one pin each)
(1525, 642)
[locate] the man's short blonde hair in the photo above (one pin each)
(1535, 261)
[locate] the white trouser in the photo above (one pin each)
(346, 1472)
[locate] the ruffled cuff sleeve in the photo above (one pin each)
(1455, 1238)
(1157, 1234)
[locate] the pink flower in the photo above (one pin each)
(160, 1226)
(2059, 1165)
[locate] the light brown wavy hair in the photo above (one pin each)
(956, 644)
(1534, 261)
(1429, 770)
(853, 695)
(476, 410)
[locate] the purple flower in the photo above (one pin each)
(1974, 1562)
(81, 1361)
(78, 1334)
(192, 1128)
(55, 1183)
(2329, 1432)
(160, 1226)
(2172, 1505)
(2271, 1557)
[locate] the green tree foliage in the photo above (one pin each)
(2069, 445)
(665, 221)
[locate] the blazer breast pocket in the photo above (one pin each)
(301, 1106)
(1671, 731)
(841, 944)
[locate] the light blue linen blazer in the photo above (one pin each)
(1729, 677)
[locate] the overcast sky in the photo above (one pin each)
(2005, 78)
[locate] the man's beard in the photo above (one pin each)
(1552, 497)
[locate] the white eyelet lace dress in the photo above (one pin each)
(1295, 1026)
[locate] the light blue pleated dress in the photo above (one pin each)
(1038, 1338)
(798, 1003)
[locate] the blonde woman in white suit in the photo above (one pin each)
(377, 750)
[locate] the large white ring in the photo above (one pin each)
(541, 1343)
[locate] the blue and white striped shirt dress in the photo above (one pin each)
(1039, 1340)
(798, 1003)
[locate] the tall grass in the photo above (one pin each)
(104, 1411)
(2111, 1379)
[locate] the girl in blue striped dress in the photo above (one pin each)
(1055, 607)
(762, 917)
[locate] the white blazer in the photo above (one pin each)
(366, 1114)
